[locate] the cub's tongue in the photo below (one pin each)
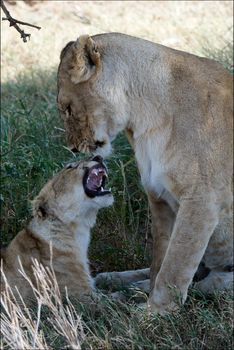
(94, 181)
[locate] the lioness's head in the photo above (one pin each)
(91, 96)
(73, 192)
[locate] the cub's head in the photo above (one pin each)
(75, 192)
(91, 95)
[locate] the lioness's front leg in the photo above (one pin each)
(162, 224)
(194, 225)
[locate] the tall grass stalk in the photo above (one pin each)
(20, 327)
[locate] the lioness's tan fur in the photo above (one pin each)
(62, 215)
(177, 111)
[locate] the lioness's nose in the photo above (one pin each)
(98, 159)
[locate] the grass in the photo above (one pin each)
(56, 323)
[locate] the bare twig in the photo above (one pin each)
(14, 23)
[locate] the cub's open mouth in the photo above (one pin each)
(94, 181)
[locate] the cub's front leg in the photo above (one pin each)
(194, 225)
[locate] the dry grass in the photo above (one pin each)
(56, 324)
(20, 327)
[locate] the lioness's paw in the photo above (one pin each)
(164, 300)
(162, 309)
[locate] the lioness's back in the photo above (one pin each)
(154, 51)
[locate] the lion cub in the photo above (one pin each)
(63, 213)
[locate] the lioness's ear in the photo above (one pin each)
(86, 59)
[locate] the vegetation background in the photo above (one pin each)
(33, 148)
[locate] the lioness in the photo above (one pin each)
(176, 109)
(63, 213)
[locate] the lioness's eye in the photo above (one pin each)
(99, 143)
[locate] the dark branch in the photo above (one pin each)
(14, 23)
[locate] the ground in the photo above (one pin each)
(185, 25)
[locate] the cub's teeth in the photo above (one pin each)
(102, 189)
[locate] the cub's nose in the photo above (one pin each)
(98, 159)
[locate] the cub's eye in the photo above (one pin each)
(73, 165)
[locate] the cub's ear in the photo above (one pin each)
(40, 208)
(86, 59)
